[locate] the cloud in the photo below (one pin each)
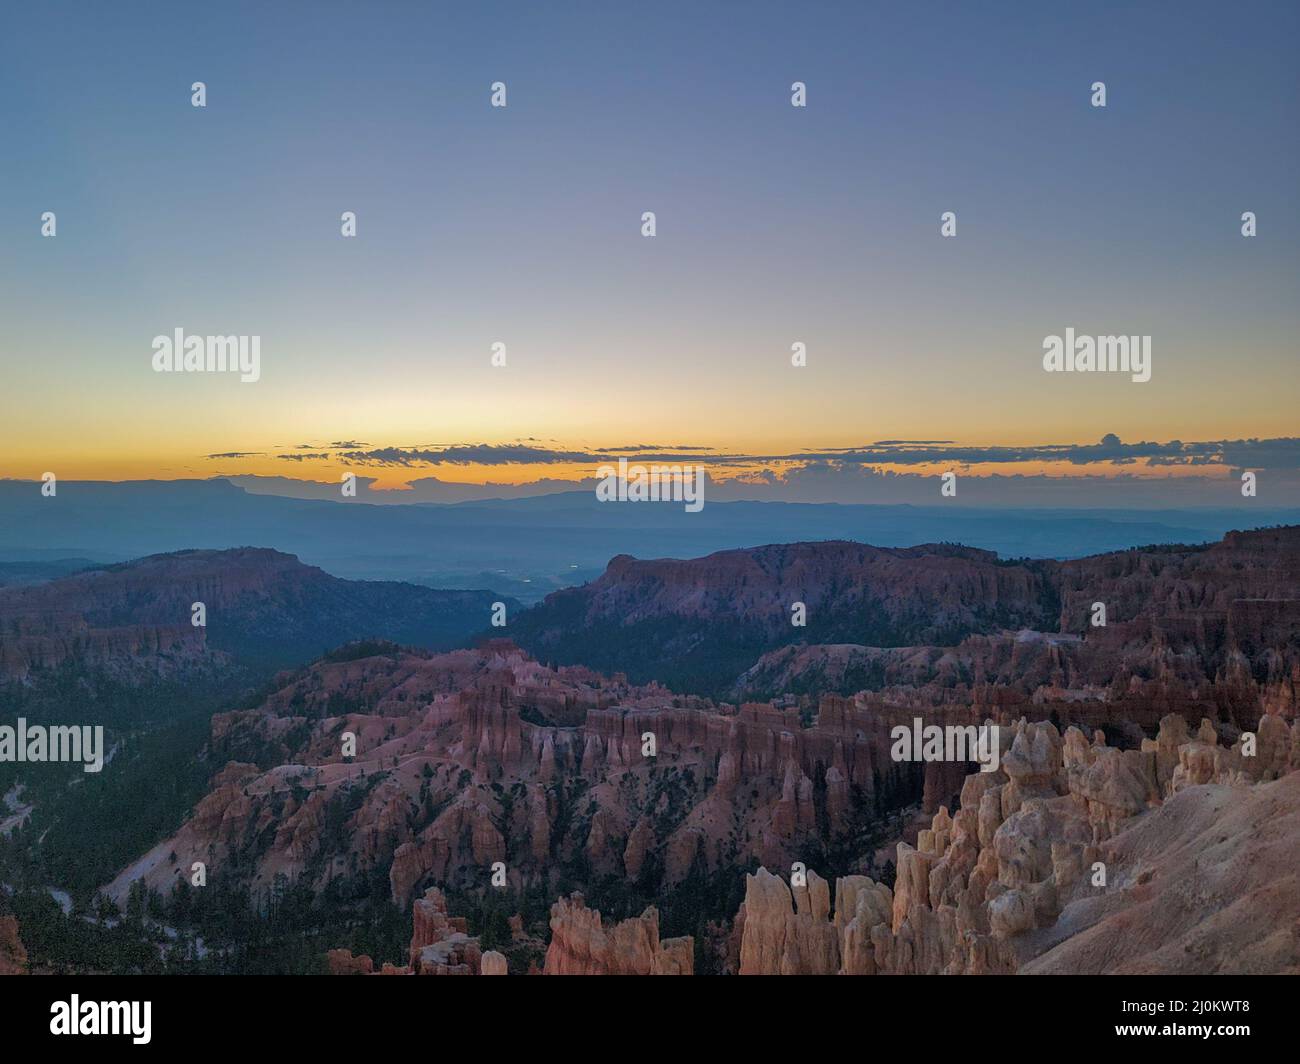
(468, 454)
(1276, 453)
(633, 448)
(1110, 450)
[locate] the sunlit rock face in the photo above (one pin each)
(580, 945)
(1073, 857)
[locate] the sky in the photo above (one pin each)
(774, 225)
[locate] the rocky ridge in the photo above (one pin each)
(941, 620)
(483, 756)
(261, 604)
(1076, 857)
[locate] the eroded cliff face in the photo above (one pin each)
(1073, 857)
(1178, 857)
(1184, 625)
(477, 757)
(703, 621)
(927, 589)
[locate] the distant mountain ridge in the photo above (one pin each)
(25, 572)
(262, 607)
(537, 545)
(702, 624)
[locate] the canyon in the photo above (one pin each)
(629, 822)
(485, 761)
(1175, 858)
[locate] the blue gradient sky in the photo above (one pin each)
(522, 225)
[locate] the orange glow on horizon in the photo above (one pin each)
(391, 477)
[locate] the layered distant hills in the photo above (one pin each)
(938, 615)
(262, 608)
(529, 547)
